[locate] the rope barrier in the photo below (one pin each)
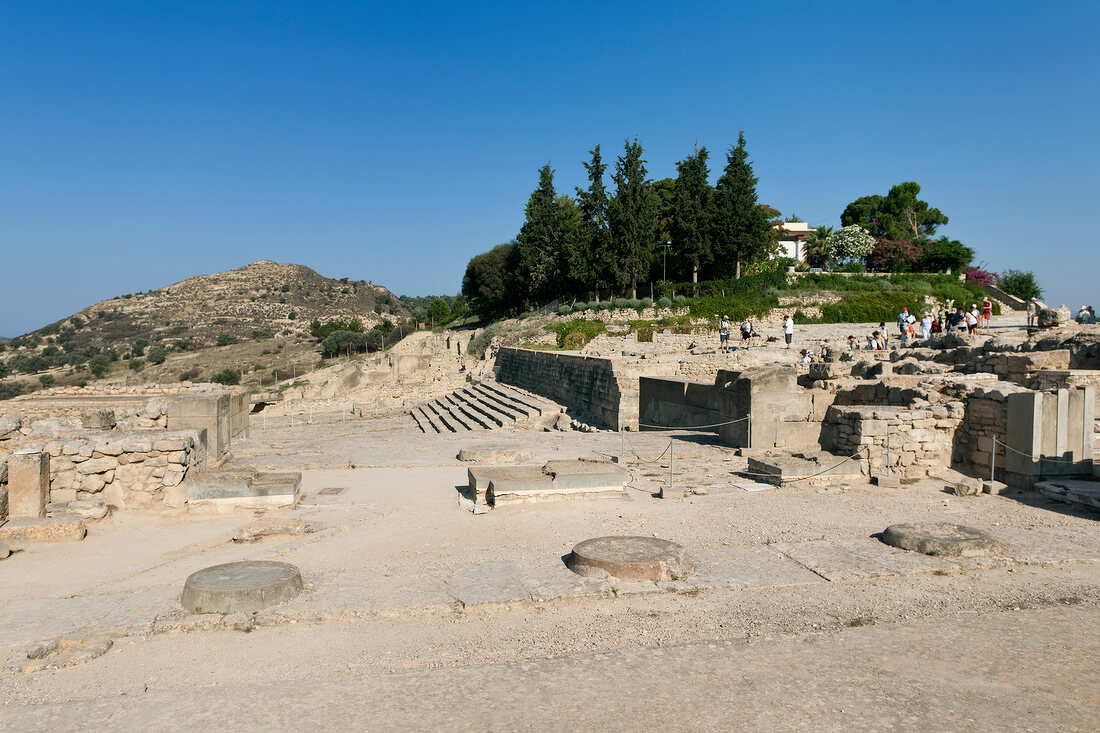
(1034, 457)
(803, 478)
(645, 460)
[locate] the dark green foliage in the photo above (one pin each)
(136, 364)
(489, 284)
(576, 333)
(867, 307)
(343, 342)
(99, 364)
(46, 380)
(479, 343)
(439, 312)
(77, 322)
(322, 330)
(138, 347)
(1021, 284)
(227, 376)
(292, 315)
(541, 240)
(632, 217)
(590, 264)
(10, 389)
(691, 229)
(225, 339)
(945, 254)
(261, 334)
(899, 215)
(157, 354)
(191, 375)
(741, 228)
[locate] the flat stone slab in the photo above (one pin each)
(511, 477)
(503, 494)
(941, 538)
(243, 487)
(748, 567)
(1071, 491)
(859, 558)
(495, 581)
(246, 586)
(18, 532)
(630, 558)
(812, 465)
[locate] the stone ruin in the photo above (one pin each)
(69, 454)
(1018, 411)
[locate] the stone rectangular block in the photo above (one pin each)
(28, 484)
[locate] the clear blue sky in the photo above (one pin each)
(145, 142)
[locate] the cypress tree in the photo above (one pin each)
(590, 264)
(540, 241)
(740, 226)
(632, 218)
(692, 206)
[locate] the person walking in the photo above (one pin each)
(1032, 311)
(926, 326)
(788, 330)
(724, 335)
(746, 332)
(987, 311)
(903, 320)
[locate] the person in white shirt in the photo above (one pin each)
(788, 330)
(926, 326)
(746, 332)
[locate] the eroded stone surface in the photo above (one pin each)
(940, 538)
(630, 558)
(241, 587)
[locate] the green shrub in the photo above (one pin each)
(99, 364)
(191, 375)
(261, 334)
(866, 307)
(586, 331)
(136, 364)
(680, 299)
(621, 303)
(1021, 284)
(580, 307)
(771, 292)
(564, 310)
(138, 347)
(227, 377)
(604, 305)
(10, 389)
(46, 380)
(225, 339)
(634, 303)
(479, 343)
(157, 354)
(664, 302)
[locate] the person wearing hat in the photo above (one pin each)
(788, 330)
(1032, 311)
(724, 335)
(903, 320)
(987, 311)
(1083, 315)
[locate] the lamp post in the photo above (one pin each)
(664, 264)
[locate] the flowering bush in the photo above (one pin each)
(981, 277)
(850, 243)
(895, 255)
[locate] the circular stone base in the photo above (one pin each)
(629, 558)
(240, 587)
(940, 538)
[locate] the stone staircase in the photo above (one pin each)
(481, 406)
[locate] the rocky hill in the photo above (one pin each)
(258, 300)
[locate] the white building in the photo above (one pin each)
(792, 238)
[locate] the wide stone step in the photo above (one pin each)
(514, 410)
(527, 404)
(470, 418)
(462, 422)
(496, 417)
(554, 481)
(423, 421)
(444, 418)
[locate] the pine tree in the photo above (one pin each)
(540, 241)
(741, 227)
(692, 205)
(632, 218)
(590, 262)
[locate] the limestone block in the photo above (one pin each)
(92, 484)
(70, 449)
(158, 461)
(873, 427)
(178, 456)
(136, 457)
(63, 480)
(62, 495)
(9, 426)
(28, 483)
(96, 465)
(172, 477)
(169, 444)
(907, 458)
(98, 419)
(54, 448)
(115, 496)
(968, 487)
(60, 465)
(108, 476)
(109, 449)
(137, 446)
(157, 472)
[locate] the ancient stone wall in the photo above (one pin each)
(669, 402)
(909, 441)
(602, 392)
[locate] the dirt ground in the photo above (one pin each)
(380, 640)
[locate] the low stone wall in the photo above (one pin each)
(909, 441)
(123, 469)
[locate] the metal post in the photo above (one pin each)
(671, 463)
(622, 443)
(887, 453)
(993, 459)
(748, 430)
